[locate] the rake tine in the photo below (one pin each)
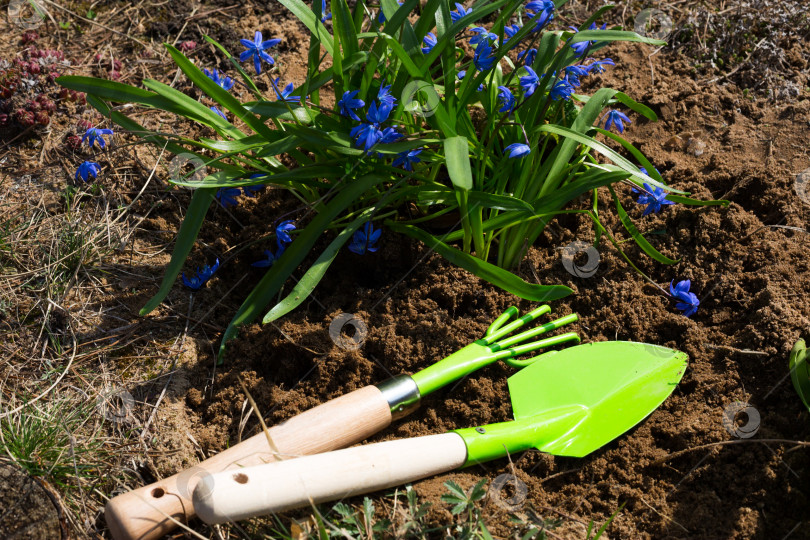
(511, 311)
(542, 329)
(507, 354)
(514, 325)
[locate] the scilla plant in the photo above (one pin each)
(467, 111)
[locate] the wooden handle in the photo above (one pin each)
(142, 513)
(279, 486)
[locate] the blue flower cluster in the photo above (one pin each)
(198, 279)
(226, 83)
(687, 301)
(371, 132)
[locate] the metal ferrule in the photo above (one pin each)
(402, 395)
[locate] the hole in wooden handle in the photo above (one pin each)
(240, 478)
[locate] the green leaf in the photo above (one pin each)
(637, 236)
(800, 371)
(197, 208)
(604, 36)
(457, 158)
(343, 26)
(305, 175)
(697, 202)
(476, 198)
(640, 108)
(281, 111)
(456, 493)
(484, 270)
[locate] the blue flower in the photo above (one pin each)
(387, 101)
(616, 117)
(561, 90)
(226, 83)
(198, 280)
(256, 49)
(529, 82)
(95, 134)
(642, 169)
(269, 259)
(527, 56)
(430, 42)
(688, 300)
(366, 134)
(583, 46)
(484, 57)
(482, 35)
(363, 240)
(540, 11)
(407, 159)
(389, 135)
(250, 191)
(506, 98)
(227, 196)
(516, 150)
(283, 230)
(460, 12)
(349, 102)
(369, 133)
(599, 65)
(381, 17)
(510, 31)
(324, 15)
(653, 198)
(286, 93)
(219, 112)
(87, 169)
(574, 73)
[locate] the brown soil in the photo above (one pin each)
(681, 473)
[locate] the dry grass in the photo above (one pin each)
(72, 340)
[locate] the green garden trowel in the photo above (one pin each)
(569, 404)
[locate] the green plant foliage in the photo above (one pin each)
(500, 139)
